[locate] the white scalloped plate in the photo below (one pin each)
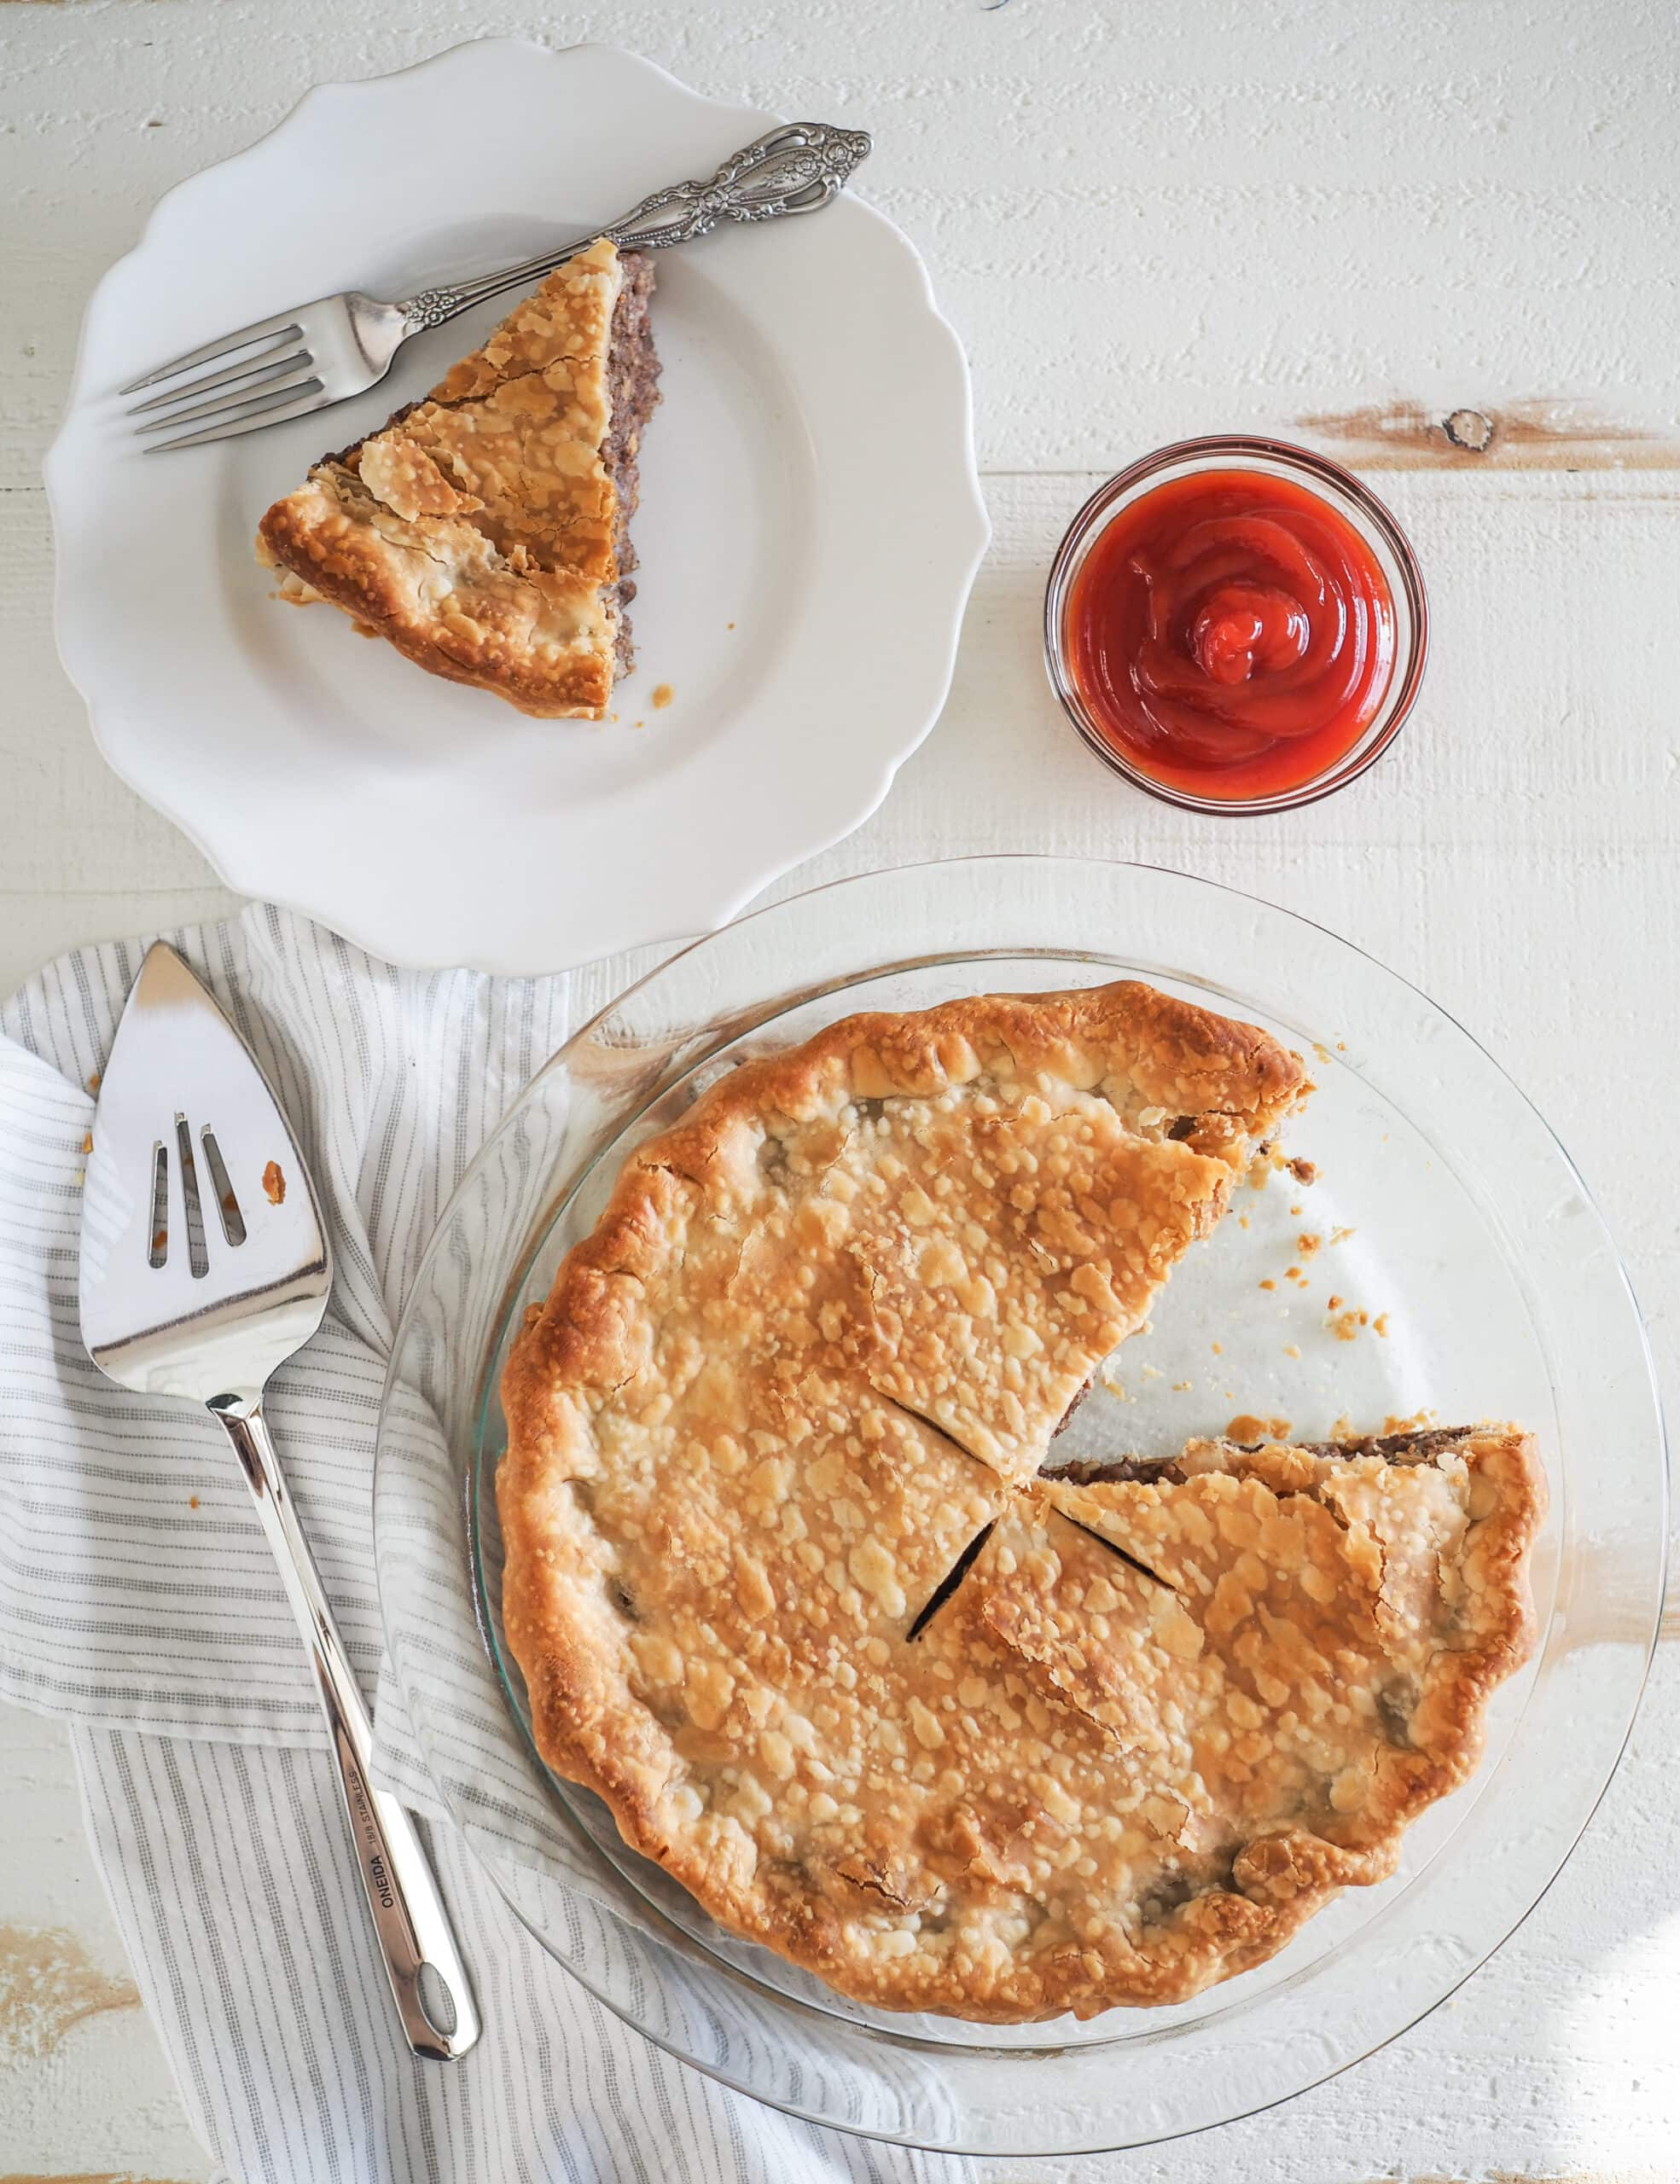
(809, 526)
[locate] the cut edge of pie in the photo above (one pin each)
(485, 531)
(1196, 1092)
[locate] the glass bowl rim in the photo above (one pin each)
(1340, 489)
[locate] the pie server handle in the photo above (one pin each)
(416, 1944)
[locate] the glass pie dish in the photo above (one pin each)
(1471, 1278)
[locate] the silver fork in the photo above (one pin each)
(319, 353)
(204, 1265)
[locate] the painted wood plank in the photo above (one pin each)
(1342, 220)
(1225, 217)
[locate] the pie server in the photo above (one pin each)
(204, 1266)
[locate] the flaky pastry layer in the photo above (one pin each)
(481, 531)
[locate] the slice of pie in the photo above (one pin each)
(821, 1339)
(1276, 1658)
(484, 532)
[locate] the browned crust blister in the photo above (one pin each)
(813, 1352)
(482, 531)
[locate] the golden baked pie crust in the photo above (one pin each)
(476, 530)
(816, 1345)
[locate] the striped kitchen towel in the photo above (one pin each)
(136, 1599)
(134, 1586)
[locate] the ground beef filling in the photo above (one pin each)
(1067, 1417)
(632, 385)
(1097, 1471)
(632, 390)
(1394, 1448)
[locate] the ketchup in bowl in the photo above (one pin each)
(1229, 635)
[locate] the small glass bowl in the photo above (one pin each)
(1341, 491)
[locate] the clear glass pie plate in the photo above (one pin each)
(1439, 1255)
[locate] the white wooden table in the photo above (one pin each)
(1344, 221)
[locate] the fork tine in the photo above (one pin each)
(257, 369)
(300, 408)
(232, 403)
(283, 322)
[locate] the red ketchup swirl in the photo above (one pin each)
(1230, 634)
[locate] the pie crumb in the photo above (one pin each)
(662, 694)
(1266, 1159)
(1246, 1427)
(274, 1184)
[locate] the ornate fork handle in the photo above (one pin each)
(799, 167)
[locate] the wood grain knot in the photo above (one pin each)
(1470, 429)
(1524, 432)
